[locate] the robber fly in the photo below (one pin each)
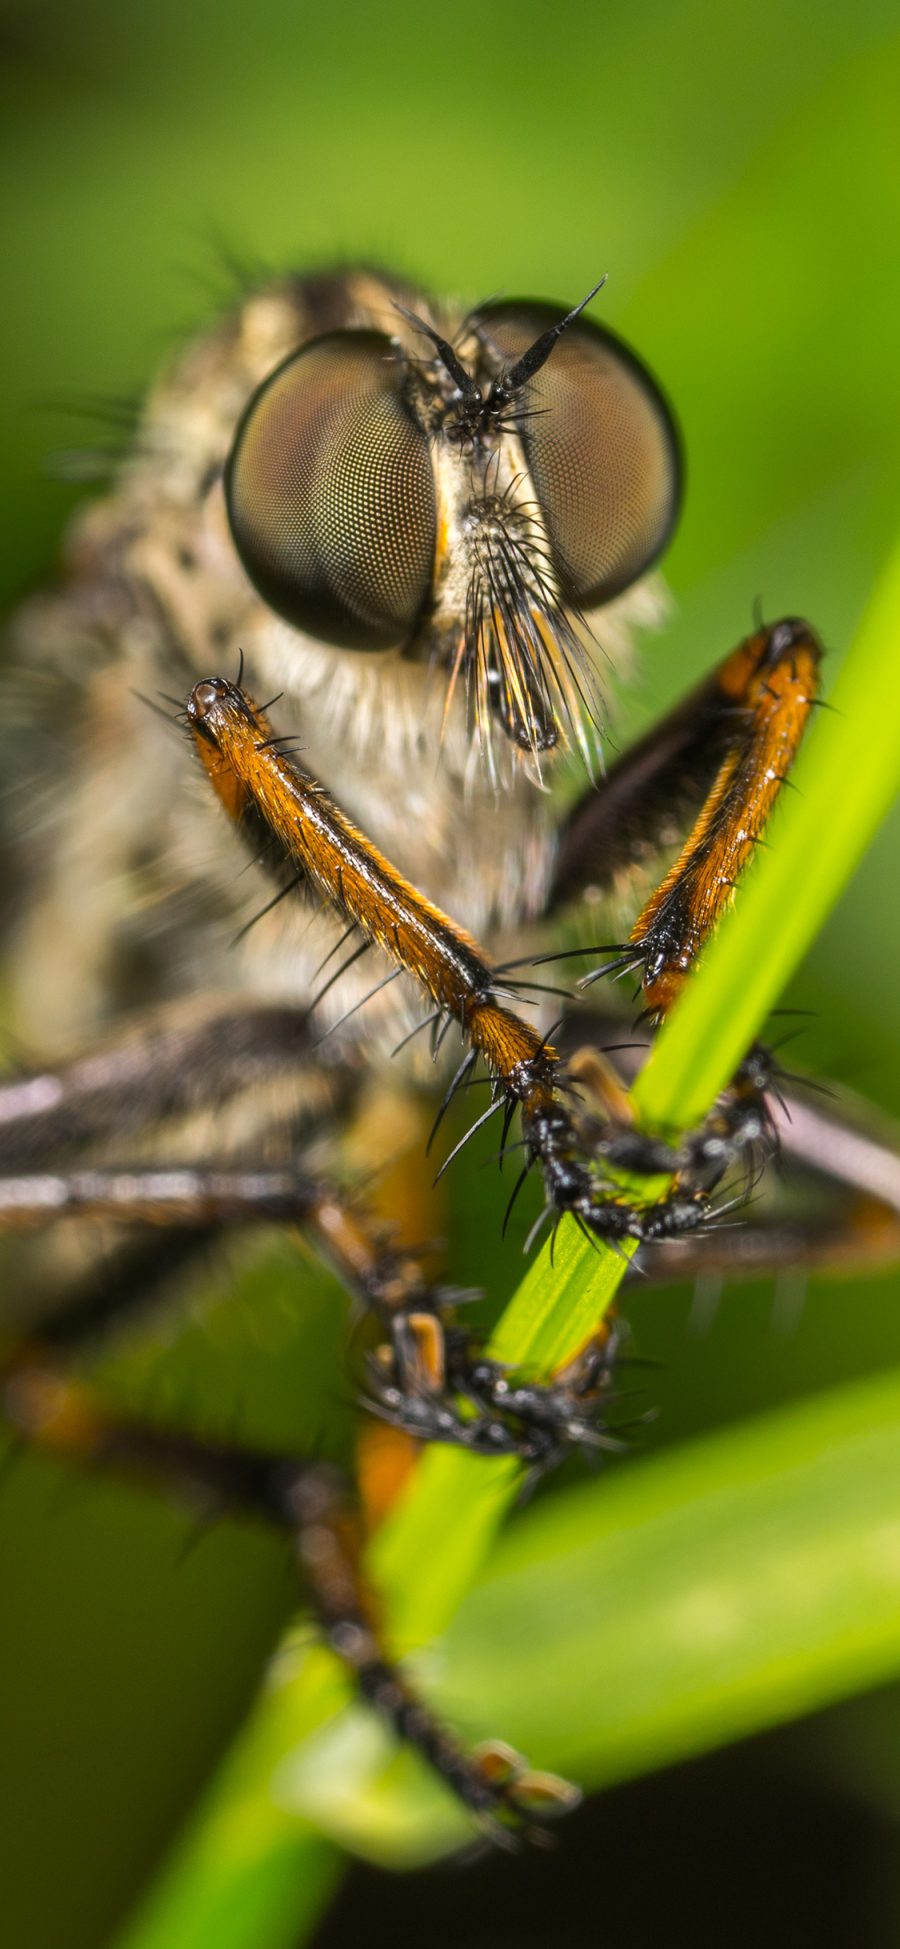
(374, 565)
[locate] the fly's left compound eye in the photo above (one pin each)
(330, 493)
(601, 445)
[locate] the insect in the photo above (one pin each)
(424, 541)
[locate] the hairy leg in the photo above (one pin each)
(721, 758)
(177, 1068)
(286, 815)
(428, 1375)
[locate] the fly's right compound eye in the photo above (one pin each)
(601, 445)
(330, 493)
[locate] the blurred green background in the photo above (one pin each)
(736, 172)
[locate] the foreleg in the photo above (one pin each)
(728, 751)
(276, 804)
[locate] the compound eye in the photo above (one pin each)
(601, 445)
(330, 493)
